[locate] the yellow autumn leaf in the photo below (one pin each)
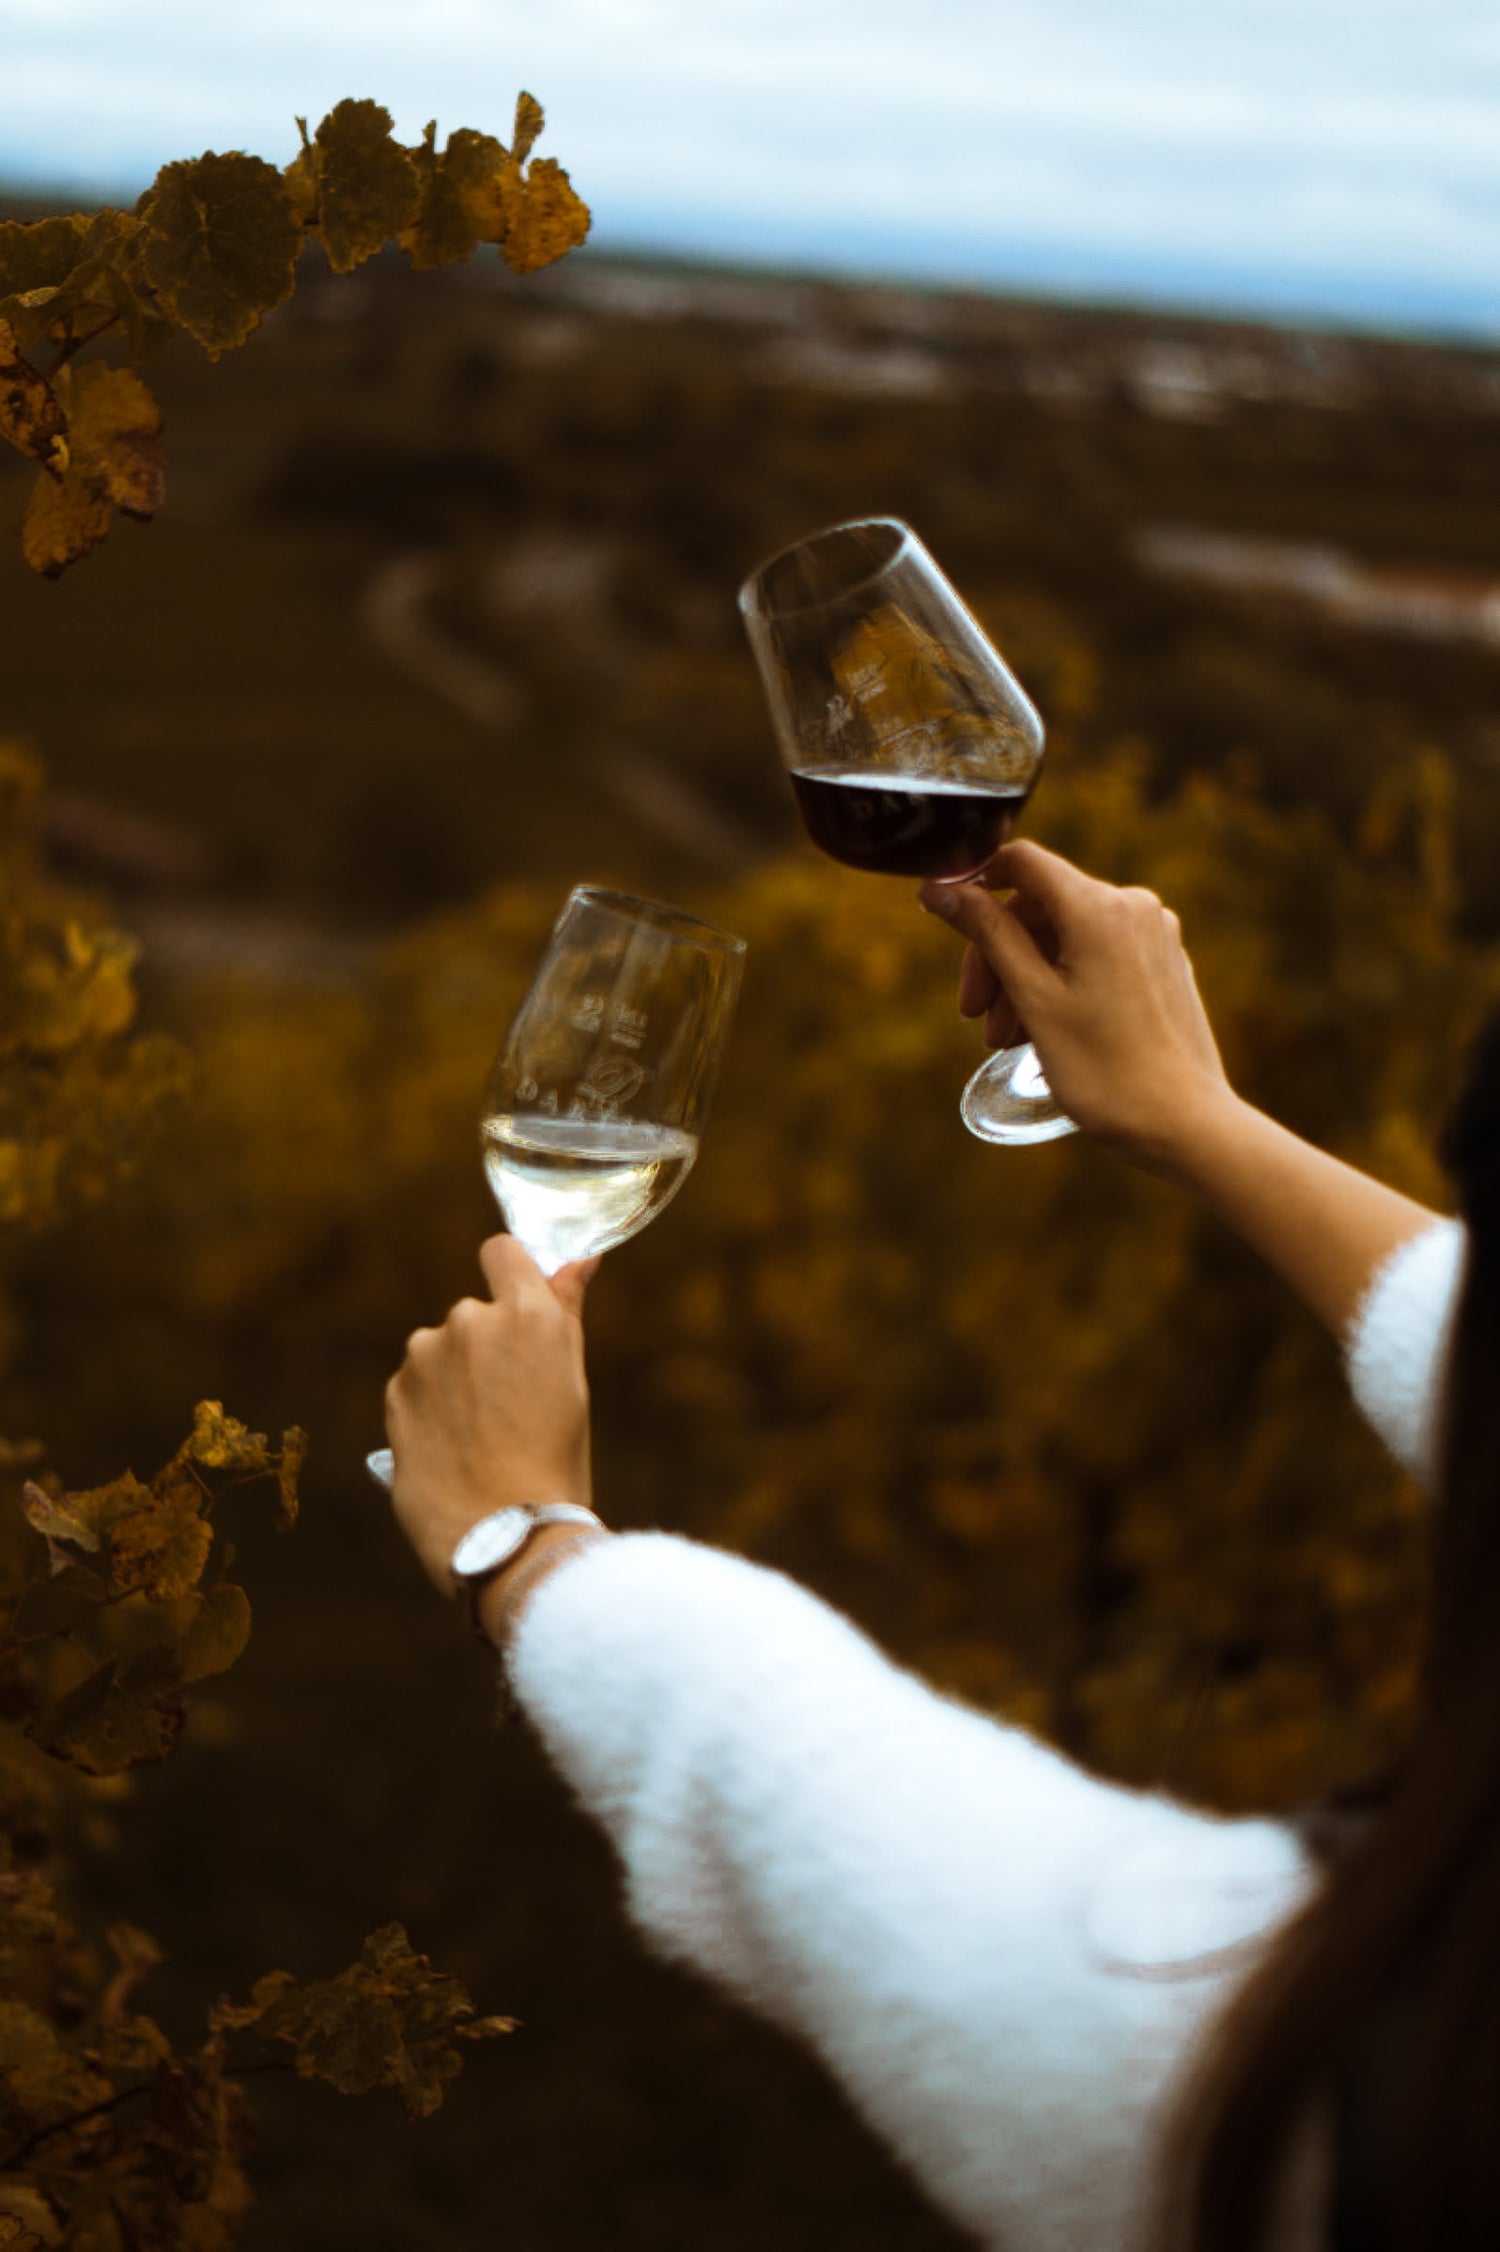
(542, 218)
(161, 1547)
(222, 1442)
(367, 186)
(114, 461)
(449, 215)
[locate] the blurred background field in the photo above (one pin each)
(438, 620)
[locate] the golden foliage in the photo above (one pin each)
(113, 460)
(119, 1587)
(219, 246)
(211, 248)
(110, 2137)
(540, 217)
(1045, 1427)
(64, 281)
(390, 2020)
(477, 191)
(80, 1100)
(353, 183)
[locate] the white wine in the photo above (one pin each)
(571, 1186)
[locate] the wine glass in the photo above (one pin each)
(910, 745)
(593, 1107)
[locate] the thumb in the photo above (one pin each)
(997, 935)
(570, 1284)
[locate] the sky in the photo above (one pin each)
(1307, 159)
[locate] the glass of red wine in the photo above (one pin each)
(910, 745)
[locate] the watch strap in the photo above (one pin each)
(469, 1585)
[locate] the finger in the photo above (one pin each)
(1033, 917)
(570, 1284)
(1020, 966)
(977, 985)
(1002, 1024)
(506, 1262)
(1043, 879)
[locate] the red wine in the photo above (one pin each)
(905, 825)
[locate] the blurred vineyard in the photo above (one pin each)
(437, 619)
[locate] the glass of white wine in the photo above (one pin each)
(593, 1107)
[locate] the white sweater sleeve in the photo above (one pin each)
(1397, 1346)
(947, 1911)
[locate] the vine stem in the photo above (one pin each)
(19, 2156)
(71, 344)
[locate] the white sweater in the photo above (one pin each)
(957, 1919)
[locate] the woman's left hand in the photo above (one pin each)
(493, 1407)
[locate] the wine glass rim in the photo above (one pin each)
(672, 923)
(749, 596)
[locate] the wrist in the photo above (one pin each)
(503, 1599)
(1188, 1146)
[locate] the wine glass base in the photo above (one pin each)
(1008, 1101)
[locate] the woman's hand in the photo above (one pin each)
(1098, 979)
(492, 1408)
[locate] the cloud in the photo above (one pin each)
(1317, 136)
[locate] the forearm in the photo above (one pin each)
(1324, 1226)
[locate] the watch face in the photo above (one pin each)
(490, 1542)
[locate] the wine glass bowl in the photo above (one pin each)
(910, 745)
(593, 1107)
(592, 1110)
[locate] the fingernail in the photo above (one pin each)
(933, 899)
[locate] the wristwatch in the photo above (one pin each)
(497, 1540)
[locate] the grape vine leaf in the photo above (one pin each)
(222, 1442)
(449, 218)
(214, 1633)
(39, 254)
(479, 191)
(221, 245)
(124, 1714)
(127, 1559)
(178, 2179)
(389, 2020)
(114, 460)
(40, 2080)
(67, 277)
(544, 217)
(364, 187)
(30, 416)
(161, 1547)
(58, 1517)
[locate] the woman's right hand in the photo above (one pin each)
(1097, 978)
